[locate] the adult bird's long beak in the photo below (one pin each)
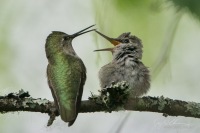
(114, 41)
(105, 49)
(82, 31)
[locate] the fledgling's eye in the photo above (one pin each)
(126, 41)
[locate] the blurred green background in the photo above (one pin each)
(170, 32)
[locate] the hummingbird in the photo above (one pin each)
(66, 73)
(126, 64)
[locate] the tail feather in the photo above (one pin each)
(72, 122)
(68, 115)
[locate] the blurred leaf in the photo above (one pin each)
(130, 4)
(191, 6)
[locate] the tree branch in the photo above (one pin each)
(23, 102)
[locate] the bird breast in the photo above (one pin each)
(129, 62)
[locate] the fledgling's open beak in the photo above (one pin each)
(82, 32)
(114, 41)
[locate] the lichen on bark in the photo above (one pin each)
(113, 97)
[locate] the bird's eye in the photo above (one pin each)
(125, 41)
(65, 38)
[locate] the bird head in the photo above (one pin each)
(58, 42)
(124, 44)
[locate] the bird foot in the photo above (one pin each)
(53, 114)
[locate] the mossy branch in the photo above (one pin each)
(22, 101)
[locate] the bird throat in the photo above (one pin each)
(125, 58)
(68, 49)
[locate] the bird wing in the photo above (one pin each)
(108, 74)
(51, 87)
(82, 70)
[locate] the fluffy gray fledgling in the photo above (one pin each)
(126, 64)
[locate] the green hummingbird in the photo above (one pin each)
(66, 73)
